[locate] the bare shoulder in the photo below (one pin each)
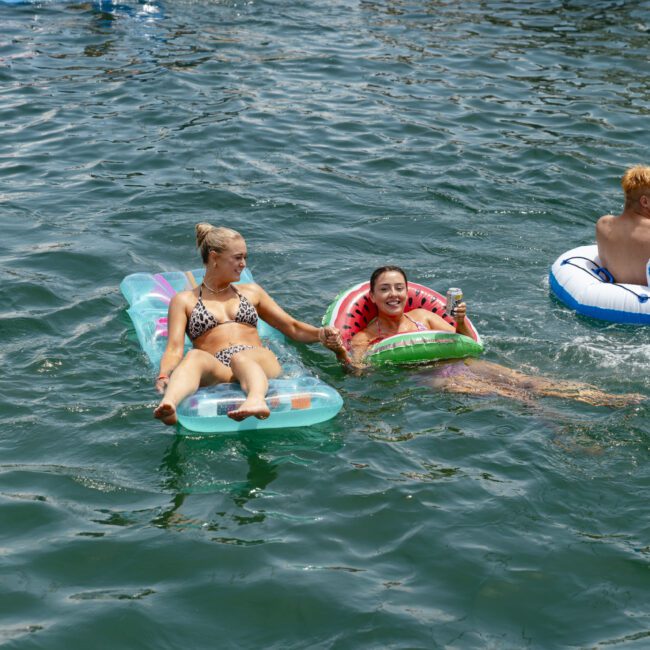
(420, 314)
(182, 304)
(187, 297)
(251, 290)
(430, 320)
(605, 223)
(361, 339)
(423, 315)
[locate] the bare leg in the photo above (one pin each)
(584, 393)
(198, 368)
(252, 369)
(545, 387)
(486, 378)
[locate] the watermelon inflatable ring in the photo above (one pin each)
(352, 311)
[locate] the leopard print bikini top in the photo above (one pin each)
(201, 320)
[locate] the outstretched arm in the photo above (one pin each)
(275, 316)
(176, 322)
(352, 359)
(295, 329)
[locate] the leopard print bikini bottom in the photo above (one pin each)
(226, 355)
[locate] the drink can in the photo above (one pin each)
(454, 298)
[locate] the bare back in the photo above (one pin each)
(624, 246)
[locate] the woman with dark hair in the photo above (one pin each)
(389, 291)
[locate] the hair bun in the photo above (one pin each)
(202, 230)
(212, 238)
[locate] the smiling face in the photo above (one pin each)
(230, 262)
(389, 293)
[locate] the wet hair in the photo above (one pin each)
(210, 238)
(635, 183)
(384, 269)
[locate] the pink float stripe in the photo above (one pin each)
(167, 288)
(161, 327)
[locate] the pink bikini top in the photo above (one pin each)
(421, 328)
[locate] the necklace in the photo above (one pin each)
(209, 288)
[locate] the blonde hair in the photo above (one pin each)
(210, 238)
(635, 183)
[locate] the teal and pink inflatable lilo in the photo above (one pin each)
(296, 399)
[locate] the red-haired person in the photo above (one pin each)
(624, 241)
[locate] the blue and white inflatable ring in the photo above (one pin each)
(578, 279)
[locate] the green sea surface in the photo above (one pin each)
(471, 143)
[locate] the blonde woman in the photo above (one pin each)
(221, 321)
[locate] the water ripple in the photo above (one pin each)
(470, 144)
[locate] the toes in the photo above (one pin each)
(166, 413)
(243, 413)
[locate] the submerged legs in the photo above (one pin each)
(486, 378)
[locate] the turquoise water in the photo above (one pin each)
(471, 143)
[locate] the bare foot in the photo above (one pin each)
(166, 411)
(251, 406)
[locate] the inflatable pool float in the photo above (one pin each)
(578, 279)
(296, 399)
(352, 311)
